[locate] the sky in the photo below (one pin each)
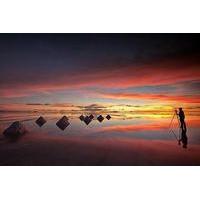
(93, 71)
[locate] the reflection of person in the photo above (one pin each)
(183, 127)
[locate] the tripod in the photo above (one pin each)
(178, 138)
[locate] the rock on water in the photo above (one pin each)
(63, 123)
(40, 121)
(100, 118)
(91, 116)
(87, 120)
(15, 130)
(81, 117)
(108, 117)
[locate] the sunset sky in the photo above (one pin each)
(94, 71)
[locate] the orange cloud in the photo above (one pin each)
(157, 97)
(156, 73)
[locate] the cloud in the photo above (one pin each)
(18, 84)
(156, 97)
(37, 104)
(93, 108)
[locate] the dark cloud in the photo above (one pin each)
(93, 108)
(37, 104)
(34, 64)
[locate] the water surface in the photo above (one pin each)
(149, 134)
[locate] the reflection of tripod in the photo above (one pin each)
(178, 138)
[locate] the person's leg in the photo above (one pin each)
(184, 126)
(184, 139)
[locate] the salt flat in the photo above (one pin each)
(36, 149)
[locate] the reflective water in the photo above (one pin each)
(143, 127)
(134, 140)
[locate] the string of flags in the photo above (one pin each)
(63, 123)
